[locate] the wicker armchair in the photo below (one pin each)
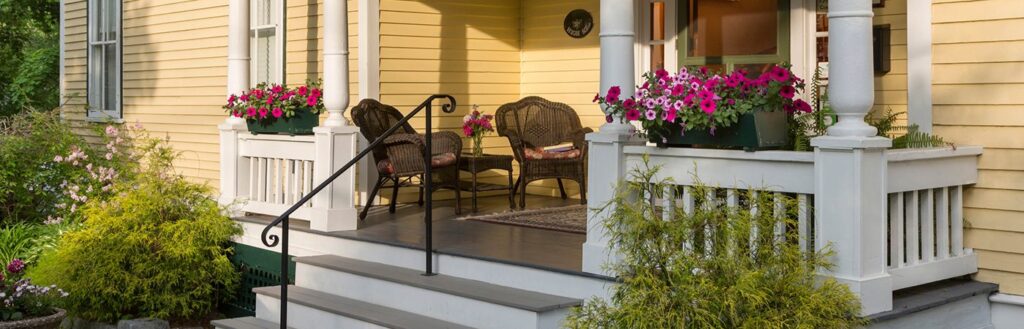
(533, 123)
(400, 157)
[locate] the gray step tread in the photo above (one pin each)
(356, 309)
(248, 322)
(472, 289)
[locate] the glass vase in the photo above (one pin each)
(478, 145)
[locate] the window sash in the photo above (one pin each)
(645, 38)
(104, 60)
(266, 21)
(729, 62)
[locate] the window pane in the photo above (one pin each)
(658, 21)
(100, 27)
(110, 78)
(729, 28)
(96, 78)
(265, 55)
(657, 57)
(263, 12)
(110, 16)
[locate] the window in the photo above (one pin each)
(104, 87)
(729, 34)
(266, 31)
(657, 35)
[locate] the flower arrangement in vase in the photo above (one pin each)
(705, 104)
(25, 305)
(272, 108)
(475, 125)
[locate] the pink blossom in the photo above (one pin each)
(58, 158)
(708, 105)
(597, 97)
(678, 90)
(651, 115)
(15, 266)
(244, 97)
(613, 94)
(311, 101)
(802, 106)
(632, 114)
(303, 90)
(270, 100)
(669, 115)
(277, 89)
(111, 131)
(629, 103)
(608, 118)
(787, 92)
(688, 100)
(263, 112)
(250, 112)
(276, 112)
(779, 74)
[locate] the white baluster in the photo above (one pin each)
(942, 223)
(913, 229)
(957, 214)
(927, 226)
(897, 227)
(803, 223)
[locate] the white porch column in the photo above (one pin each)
(335, 61)
(238, 80)
(606, 163)
(617, 61)
(850, 164)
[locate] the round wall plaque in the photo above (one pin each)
(578, 23)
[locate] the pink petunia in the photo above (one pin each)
(250, 112)
(779, 74)
(629, 103)
(632, 115)
(608, 118)
(597, 97)
(787, 92)
(651, 115)
(678, 90)
(263, 113)
(303, 90)
(237, 114)
(311, 101)
(669, 115)
(277, 89)
(708, 105)
(270, 100)
(802, 106)
(276, 112)
(688, 100)
(613, 94)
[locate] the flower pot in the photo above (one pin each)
(301, 124)
(51, 321)
(753, 131)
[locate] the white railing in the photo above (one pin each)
(908, 233)
(280, 172)
(266, 174)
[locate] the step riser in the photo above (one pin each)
(425, 302)
(301, 316)
(520, 277)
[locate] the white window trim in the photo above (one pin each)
(643, 36)
(803, 41)
(106, 115)
(279, 42)
(919, 64)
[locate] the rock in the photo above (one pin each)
(143, 324)
(79, 323)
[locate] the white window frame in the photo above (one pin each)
(98, 111)
(278, 25)
(643, 36)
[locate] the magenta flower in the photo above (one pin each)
(688, 100)
(277, 89)
(632, 115)
(237, 114)
(311, 101)
(597, 97)
(303, 90)
(669, 116)
(779, 74)
(276, 112)
(787, 92)
(608, 118)
(802, 106)
(250, 112)
(678, 90)
(15, 266)
(270, 100)
(708, 105)
(245, 97)
(629, 103)
(263, 113)
(613, 94)
(651, 115)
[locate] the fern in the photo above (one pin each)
(915, 138)
(886, 123)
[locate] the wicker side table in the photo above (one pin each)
(477, 164)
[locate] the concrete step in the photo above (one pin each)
(467, 302)
(311, 309)
(248, 322)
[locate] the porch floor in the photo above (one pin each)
(525, 246)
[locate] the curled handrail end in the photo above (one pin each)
(270, 240)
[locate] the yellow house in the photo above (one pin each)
(954, 68)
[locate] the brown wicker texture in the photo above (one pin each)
(534, 122)
(404, 150)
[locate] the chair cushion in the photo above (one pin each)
(438, 161)
(541, 154)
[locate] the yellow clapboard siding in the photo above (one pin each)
(978, 31)
(984, 52)
(990, 219)
(978, 94)
(1009, 282)
(996, 199)
(995, 240)
(977, 11)
(990, 115)
(979, 73)
(1001, 179)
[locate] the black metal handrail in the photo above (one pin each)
(272, 240)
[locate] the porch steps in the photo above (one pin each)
(309, 308)
(248, 322)
(457, 300)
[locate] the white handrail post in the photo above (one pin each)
(850, 165)
(231, 187)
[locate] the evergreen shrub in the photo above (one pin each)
(705, 270)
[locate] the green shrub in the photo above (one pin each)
(48, 170)
(157, 248)
(670, 279)
(28, 241)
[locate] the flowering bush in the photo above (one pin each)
(267, 103)
(701, 99)
(20, 299)
(475, 125)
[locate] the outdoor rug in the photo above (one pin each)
(572, 219)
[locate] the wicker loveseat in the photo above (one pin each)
(533, 123)
(400, 158)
